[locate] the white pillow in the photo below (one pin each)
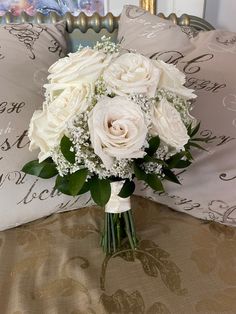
(26, 52)
(209, 61)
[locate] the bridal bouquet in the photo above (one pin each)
(110, 117)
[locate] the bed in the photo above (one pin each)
(54, 265)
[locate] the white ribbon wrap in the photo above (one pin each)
(117, 204)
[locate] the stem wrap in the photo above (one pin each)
(117, 204)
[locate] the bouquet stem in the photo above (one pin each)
(116, 228)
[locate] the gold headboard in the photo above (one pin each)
(97, 22)
(149, 5)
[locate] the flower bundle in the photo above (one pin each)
(110, 117)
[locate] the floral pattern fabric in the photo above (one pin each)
(55, 265)
(61, 7)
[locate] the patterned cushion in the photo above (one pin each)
(209, 185)
(26, 52)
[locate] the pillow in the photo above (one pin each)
(208, 60)
(26, 52)
(142, 31)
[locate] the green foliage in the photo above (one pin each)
(139, 172)
(170, 176)
(100, 190)
(72, 184)
(176, 160)
(66, 146)
(154, 182)
(154, 143)
(193, 131)
(127, 189)
(62, 184)
(45, 169)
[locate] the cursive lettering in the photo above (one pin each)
(175, 57)
(172, 57)
(42, 195)
(226, 42)
(56, 48)
(225, 177)
(1, 55)
(201, 84)
(27, 34)
(11, 107)
(21, 142)
(15, 176)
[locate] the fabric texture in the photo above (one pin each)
(56, 266)
(26, 52)
(208, 60)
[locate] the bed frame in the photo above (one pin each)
(108, 22)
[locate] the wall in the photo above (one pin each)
(115, 6)
(192, 7)
(221, 14)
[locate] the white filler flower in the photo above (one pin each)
(117, 129)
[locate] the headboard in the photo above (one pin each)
(97, 22)
(85, 30)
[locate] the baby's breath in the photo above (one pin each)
(107, 46)
(182, 105)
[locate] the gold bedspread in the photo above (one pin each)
(55, 266)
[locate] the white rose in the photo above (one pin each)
(48, 126)
(132, 73)
(84, 66)
(117, 129)
(168, 125)
(173, 80)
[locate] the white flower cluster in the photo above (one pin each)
(110, 104)
(182, 105)
(106, 45)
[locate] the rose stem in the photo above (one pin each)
(113, 233)
(105, 234)
(128, 230)
(118, 229)
(109, 233)
(132, 226)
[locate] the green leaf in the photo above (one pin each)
(77, 180)
(194, 130)
(66, 146)
(153, 145)
(183, 164)
(45, 169)
(197, 146)
(154, 182)
(100, 190)
(85, 188)
(189, 155)
(62, 184)
(139, 172)
(173, 160)
(72, 184)
(170, 176)
(127, 189)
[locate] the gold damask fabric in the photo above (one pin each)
(56, 266)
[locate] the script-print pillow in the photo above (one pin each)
(209, 184)
(26, 52)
